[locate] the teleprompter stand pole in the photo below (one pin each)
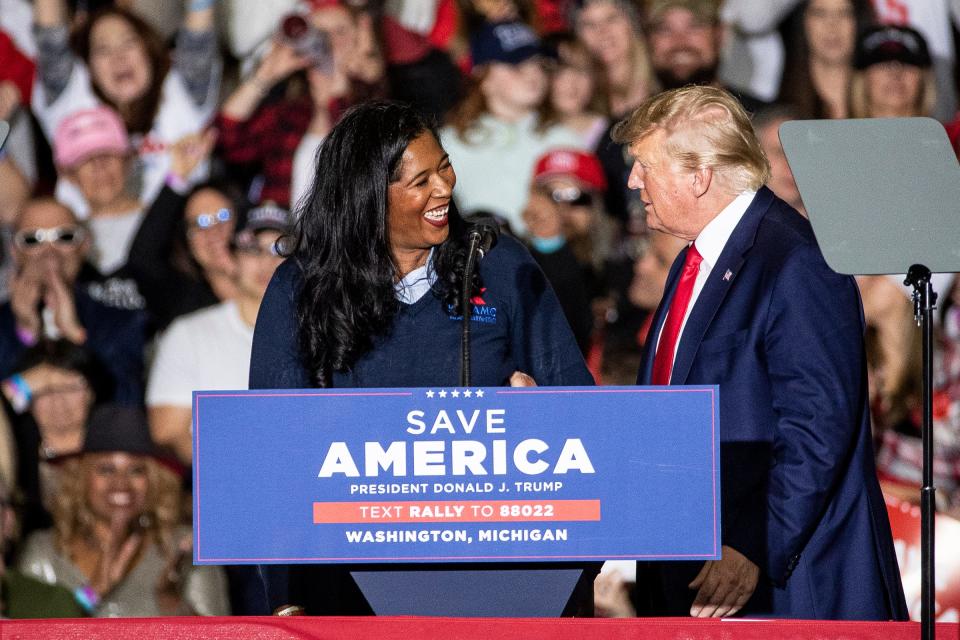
(924, 302)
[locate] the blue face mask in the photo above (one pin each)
(548, 245)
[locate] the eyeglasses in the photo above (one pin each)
(208, 220)
(33, 238)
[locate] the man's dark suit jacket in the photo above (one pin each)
(782, 336)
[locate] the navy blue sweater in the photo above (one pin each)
(518, 325)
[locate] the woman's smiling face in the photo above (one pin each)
(418, 199)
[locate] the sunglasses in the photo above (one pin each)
(208, 220)
(64, 236)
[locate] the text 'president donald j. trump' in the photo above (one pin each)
(751, 305)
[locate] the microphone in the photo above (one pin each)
(484, 233)
(481, 237)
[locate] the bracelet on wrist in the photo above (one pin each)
(177, 184)
(18, 393)
(87, 597)
(26, 337)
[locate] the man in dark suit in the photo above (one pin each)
(751, 305)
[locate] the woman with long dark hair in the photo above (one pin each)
(369, 295)
(819, 66)
(377, 269)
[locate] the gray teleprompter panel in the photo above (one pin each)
(4, 130)
(882, 194)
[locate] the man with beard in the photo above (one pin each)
(685, 38)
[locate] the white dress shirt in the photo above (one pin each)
(710, 244)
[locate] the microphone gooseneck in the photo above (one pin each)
(482, 237)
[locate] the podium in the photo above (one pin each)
(453, 502)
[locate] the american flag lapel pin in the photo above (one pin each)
(727, 275)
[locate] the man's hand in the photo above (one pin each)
(724, 585)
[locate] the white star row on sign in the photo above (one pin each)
(455, 393)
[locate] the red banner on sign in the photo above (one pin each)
(457, 511)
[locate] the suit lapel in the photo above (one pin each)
(718, 283)
(659, 317)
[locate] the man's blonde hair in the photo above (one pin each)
(705, 127)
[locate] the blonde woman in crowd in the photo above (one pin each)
(117, 542)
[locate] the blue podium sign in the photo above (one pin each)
(456, 475)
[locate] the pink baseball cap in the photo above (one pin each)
(87, 133)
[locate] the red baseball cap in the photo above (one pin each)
(584, 167)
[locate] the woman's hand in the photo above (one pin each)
(520, 379)
(281, 61)
(117, 552)
(170, 584)
(188, 152)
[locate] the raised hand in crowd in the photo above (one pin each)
(58, 297)
(26, 294)
(169, 587)
(39, 284)
(187, 153)
(60, 403)
(119, 545)
(279, 63)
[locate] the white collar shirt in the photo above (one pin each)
(710, 244)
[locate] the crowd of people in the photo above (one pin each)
(161, 155)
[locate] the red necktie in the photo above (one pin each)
(663, 361)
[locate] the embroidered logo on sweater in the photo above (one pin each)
(481, 311)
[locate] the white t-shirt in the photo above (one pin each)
(177, 116)
(206, 349)
(495, 164)
(112, 238)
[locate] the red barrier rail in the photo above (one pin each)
(411, 628)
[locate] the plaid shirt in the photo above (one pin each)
(271, 136)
